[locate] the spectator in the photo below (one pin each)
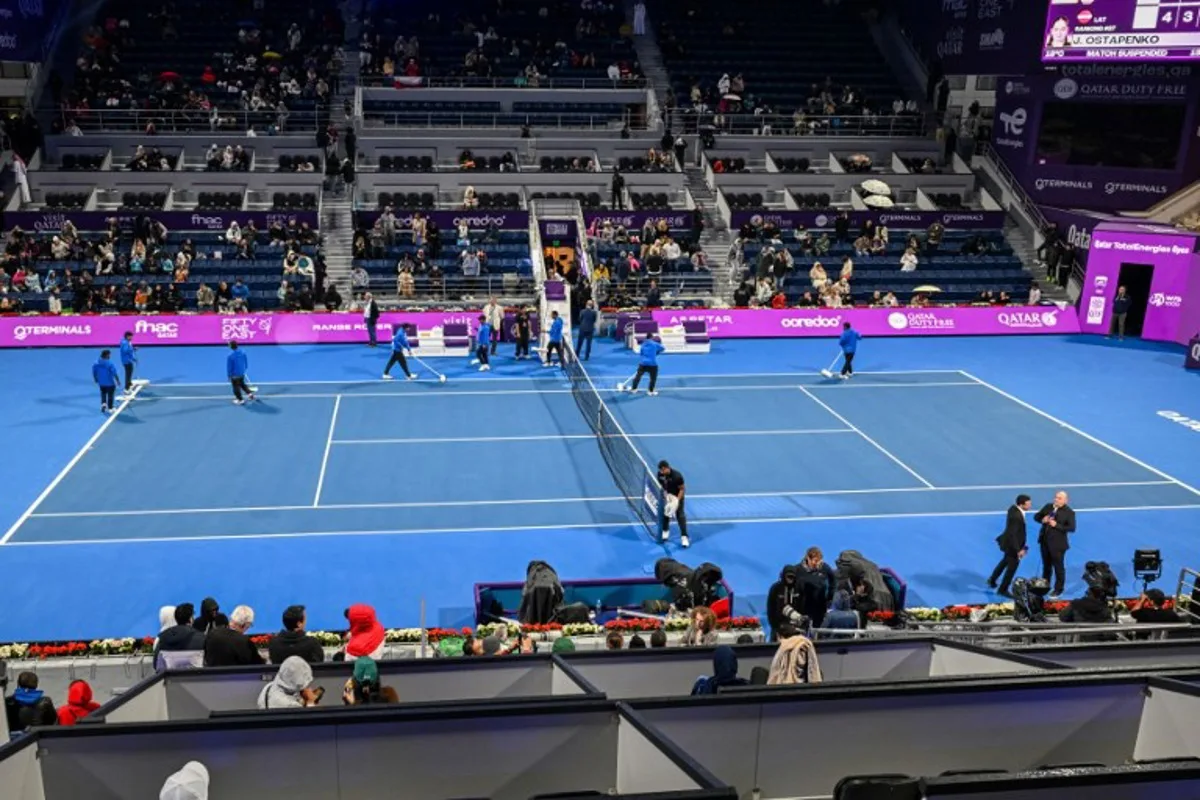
(614, 641)
(817, 276)
(190, 783)
(230, 646)
(702, 628)
(658, 638)
(240, 296)
(293, 641)
(563, 644)
(206, 299)
(795, 661)
(725, 669)
(182, 635)
(79, 703)
(1035, 294)
(166, 618)
(332, 299)
(292, 686)
(209, 608)
(363, 687)
(637, 643)
(28, 706)
(366, 634)
(908, 261)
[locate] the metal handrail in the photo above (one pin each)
(1013, 186)
(178, 120)
(906, 125)
(471, 82)
(1018, 633)
(487, 120)
(1185, 592)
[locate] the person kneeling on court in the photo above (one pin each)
(648, 364)
(671, 481)
(104, 373)
(235, 366)
(400, 346)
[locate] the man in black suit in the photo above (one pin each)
(1058, 521)
(1012, 544)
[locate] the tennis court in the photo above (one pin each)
(330, 464)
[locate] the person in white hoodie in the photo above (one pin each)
(290, 689)
(189, 783)
(639, 18)
(166, 619)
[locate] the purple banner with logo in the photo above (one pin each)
(893, 219)
(1021, 112)
(26, 27)
(636, 219)
(1169, 251)
(51, 221)
(448, 220)
(752, 323)
(976, 37)
(199, 329)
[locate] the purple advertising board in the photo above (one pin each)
(199, 329)
(988, 220)
(751, 323)
(51, 221)
(1171, 254)
(446, 220)
(1121, 30)
(1021, 112)
(976, 37)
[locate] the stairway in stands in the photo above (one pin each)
(337, 233)
(650, 59)
(716, 238)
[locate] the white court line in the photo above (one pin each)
(553, 438)
(868, 439)
(761, 387)
(593, 526)
(533, 376)
(337, 404)
(1087, 436)
(124, 404)
(573, 500)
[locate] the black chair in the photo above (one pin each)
(425, 164)
(385, 163)
(878, 787)
(70, 162)
(385, 199)
(285, 163)
(128, 199)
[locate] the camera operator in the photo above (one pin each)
(1149, 608)
(1092, 607)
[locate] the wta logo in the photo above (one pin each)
(1160, 300)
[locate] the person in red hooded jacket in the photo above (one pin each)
(366, 634)
(79, 703)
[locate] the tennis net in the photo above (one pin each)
(633, 476)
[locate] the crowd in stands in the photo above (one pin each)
(230, 158)
(832, 286)
(630, 264)
(265, 65)
(525, 42)
(150, 159)
(83, 271)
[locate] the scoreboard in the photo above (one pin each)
(1122, 30)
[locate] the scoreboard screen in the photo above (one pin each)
(1122, 30)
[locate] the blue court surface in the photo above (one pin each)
(340, 488)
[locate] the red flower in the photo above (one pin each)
(633, 624)
(881, 616)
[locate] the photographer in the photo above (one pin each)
(1093, 607)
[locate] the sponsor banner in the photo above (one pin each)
(769, 323)
(1020, 108)
(200, 329)
(636, 219)
(898, 219)
(975, 37)
(1171, 254)
(27, 27)
(447, 220)
(52, 221)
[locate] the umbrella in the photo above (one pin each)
(874, 186)
(271, 54)
(927, 288)
(168, 76)
(878, 201)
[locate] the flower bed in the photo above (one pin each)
(963, 613)
(144, 646)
